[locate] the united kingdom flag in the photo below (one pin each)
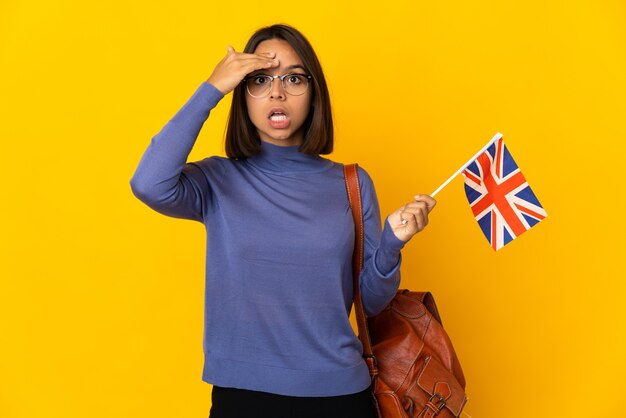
(499, 196)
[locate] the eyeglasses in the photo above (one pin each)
(260, 85)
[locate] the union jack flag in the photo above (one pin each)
(500, 197)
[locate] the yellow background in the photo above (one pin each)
(101, 298)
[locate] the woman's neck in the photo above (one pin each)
(276, 158)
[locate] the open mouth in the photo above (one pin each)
(278, 118)
(277, 115)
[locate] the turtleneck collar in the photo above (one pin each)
(289, 159)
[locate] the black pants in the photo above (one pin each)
(239, 403)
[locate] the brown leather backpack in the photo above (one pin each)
(415, 371)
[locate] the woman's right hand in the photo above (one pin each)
(236, 65)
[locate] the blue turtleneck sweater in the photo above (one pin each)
(280, 236)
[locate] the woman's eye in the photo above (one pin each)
(294, 79)
(261, 79)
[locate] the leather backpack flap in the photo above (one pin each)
(437, 382)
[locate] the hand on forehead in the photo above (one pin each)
(285, 54)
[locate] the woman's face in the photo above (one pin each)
(278, 116)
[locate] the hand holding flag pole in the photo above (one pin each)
(464, 166)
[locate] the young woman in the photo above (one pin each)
(280, 234)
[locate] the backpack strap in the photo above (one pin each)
(356, 206)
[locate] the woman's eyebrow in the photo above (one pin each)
(293, 67)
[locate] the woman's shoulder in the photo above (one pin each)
(366, 184)
(220, 165)
(213, 167)
(364, 177)
(211, 163)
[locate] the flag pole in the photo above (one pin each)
(494, 139)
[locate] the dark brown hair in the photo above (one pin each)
(242, 138)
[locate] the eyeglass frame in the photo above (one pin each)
(282, 83)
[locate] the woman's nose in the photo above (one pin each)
(276, 89)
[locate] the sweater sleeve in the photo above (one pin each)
(380, 276)
(163, 180)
